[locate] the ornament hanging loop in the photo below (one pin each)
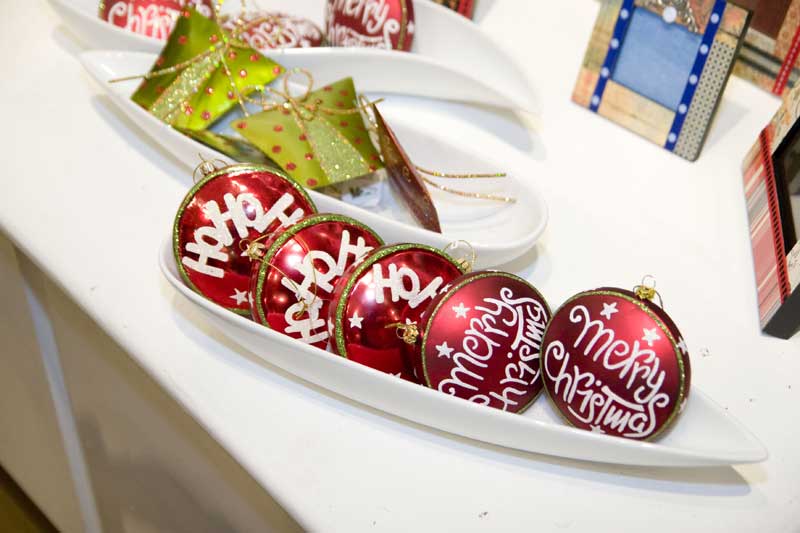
(646, 290)
(408, 333)
(465, 263)
(368, 115)
(206, 167)
(307, 88)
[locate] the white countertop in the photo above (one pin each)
(89, 199)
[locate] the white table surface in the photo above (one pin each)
(89, 199)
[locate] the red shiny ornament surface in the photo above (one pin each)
(293, 284)
(153, 18)
(265, 30)
(393, 285)
(385, 24)
(235, 204)
(480, 341)
(616, 364)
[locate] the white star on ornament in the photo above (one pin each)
(682, 346)
(239, 296)
(355, 320)
(608, 310)
(650, 336)
(461, 310)
(597, 429)
(444, 350)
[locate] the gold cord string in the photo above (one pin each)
(372, 126)
(460, 176)
(299, 105)
(254, 249)
(466, 194)
(300, 109)
(169, 70)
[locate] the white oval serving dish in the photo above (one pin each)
(498, 232)
(705, 434)
(477, 70)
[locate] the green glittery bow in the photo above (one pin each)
(201, 74)
(318, 138)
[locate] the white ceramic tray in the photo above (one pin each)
(450, 71)
(498, 232)
(705, 434)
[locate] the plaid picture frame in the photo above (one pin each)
(771, 46)
(771, 173)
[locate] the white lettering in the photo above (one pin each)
(526, 319)
(316, 281)
(593, 402)
(403, 283)
(152, 20)
(244, 212)
(373, 15)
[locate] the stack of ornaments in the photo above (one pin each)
(248, 238)
(387, 24)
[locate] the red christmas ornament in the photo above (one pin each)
(153, 18)
(222, 213)
(385, 24)
(266, 31)
(613, 362)
(480, 341)
(292, 284)
(382, 299)
(464, 7)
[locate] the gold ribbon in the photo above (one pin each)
(299, 105)
(338, 159)
(373, 127)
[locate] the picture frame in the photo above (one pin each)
(771, 48)
(771, 172)
(659, 67)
